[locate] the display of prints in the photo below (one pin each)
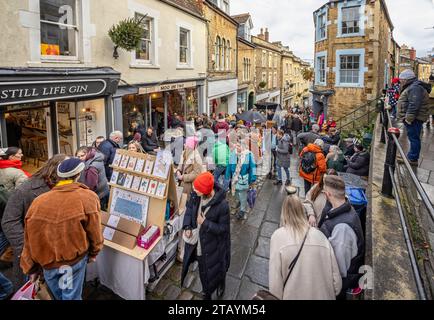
(132, 163)
(144, 185)
(115, 176)
(117, 160)
(129, 205)
(128, 181)
(148, 167)
(121, 178)
(152, 187)
(162, 164)
(124, 162)
(140, 165)
(136, 183)
(161, 190)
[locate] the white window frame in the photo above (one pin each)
(228, 55)
(264, 58)
(362, 68)
(78, 35)
(153, 14)
(322, 54)
(352, 3)
(218, 42)
(190, 52)
(270, 60)
(318, 25)
(151, 27)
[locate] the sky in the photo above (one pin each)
(291, 21)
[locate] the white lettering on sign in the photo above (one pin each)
(167, 87)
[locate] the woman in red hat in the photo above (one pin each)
(393, 95)
(207, 235)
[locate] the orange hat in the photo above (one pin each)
(204, 183)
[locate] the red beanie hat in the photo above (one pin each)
(204, 183)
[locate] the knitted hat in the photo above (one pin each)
(395, 80)
(204, 183)
(70, 168)
(407, 75)
(191, 142)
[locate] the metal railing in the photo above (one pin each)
(390, 189)
(365, 111)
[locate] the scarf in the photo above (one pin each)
(241, 159)
(17, 164)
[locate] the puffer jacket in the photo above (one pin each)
(282, 152)
(11, 174)
(414, 102)
(359, 164)
(321, 165)
(93, 176)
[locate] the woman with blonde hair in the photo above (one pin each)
(335, 159)
(135, 146)
(302, 261)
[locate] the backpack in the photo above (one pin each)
(308, 162)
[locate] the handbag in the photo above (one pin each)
(267, 295)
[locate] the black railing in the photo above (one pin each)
(353, 118)
(390, 189)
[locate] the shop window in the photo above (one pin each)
(59, 29)
(144, 52)
(184, 46)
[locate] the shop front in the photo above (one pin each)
(50, 111)
(157, 105)
(222, 96)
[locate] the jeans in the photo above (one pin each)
(414, 131)
(279, 173)
(242, 198)
(4, 243)
(218, 172)
(6, 287)
(66, 283)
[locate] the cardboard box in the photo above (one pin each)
(118, 237)
(121, 224)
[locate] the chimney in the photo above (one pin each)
(412, 54)
(261, 35)
(267, 35)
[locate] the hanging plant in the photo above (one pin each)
(262, 84)
(126, 35)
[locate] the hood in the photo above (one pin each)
(219, 196)
(4, 164)
(426, 86)
(314, 148)
(98, 156)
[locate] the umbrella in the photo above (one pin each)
(252, 117)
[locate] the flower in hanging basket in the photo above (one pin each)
(126, 34)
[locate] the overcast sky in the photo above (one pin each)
(291, 21)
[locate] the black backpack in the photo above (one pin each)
(308, 162)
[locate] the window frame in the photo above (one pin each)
(150, 41)
(351, 4)
(217, 53)
(78, 34)
(189, 58)
(362, 67)
(228, 55)
(320, 55)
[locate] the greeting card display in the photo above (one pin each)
(128, 181)
(115, 176)
(132, 163)
(161, 190)
(117, 159)
(124, 162)
(140, 165)
(162, 164)
(148, 167)
(129, 205)
(136, 183)
(144, 185)
(121, 178)
(152, 187)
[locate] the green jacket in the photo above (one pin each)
(220, 154)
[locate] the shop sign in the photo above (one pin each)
(25, 92)
(167, 87)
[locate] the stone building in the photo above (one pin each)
(246, 62)
(222, 83)
(423, 70)
(268, 65)
(352, 59)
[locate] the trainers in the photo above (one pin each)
(288, 183)
(221, 289)
(277, 183)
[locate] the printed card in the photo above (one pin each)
(113, 221)
(121, 178)
(109, 233)
(128, 181)
(140, 165)
(152, 187)
(132, 163)
(136, 183)
(161, 190)
(115, 176)
(144, 185)
(148, 167)
(124, 162)
(117, 160)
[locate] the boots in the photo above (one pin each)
(7, 258)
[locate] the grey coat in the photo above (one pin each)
(282, 152)
(414, 103)
(97, 162)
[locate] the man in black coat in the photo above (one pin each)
(358, 164)
(207, 235)
(108, 148)
(149, 142)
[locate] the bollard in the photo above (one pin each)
(387, 188)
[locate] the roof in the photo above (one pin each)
(241, 18)
(188, 5)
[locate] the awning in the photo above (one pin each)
(26, 85)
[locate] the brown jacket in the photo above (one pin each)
(191, 166)
(61, 227)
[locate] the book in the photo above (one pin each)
(117, 160)
(121, 178)
(140, 165)
(144, 185)
(132, 163)
(128, 181)
(115, 176)
(161, 190)
(152, 187)
(136, 183)
(148, 167)
(124, 162)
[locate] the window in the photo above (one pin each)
(223, 55)
(350, 20)
(59, 28)
(270, 80)
(275, 80)
(217, 53)
(228, 55)
(287, 69)
(264, 59)
(349, 69)
(270, 60)
(145, 47)
(226, 6)
(322, 26)
(184, 46)
(264, 77)
(321, 69)
(275, 60)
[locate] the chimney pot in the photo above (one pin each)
(267, 35)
